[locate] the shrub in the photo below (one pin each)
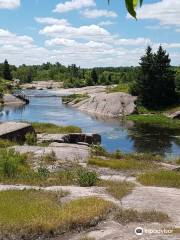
(31, 139)
(98, 150)
(11, 162)
(49, 158)
(87, 178)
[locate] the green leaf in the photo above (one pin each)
(130, 7)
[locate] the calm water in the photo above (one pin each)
(126, 136)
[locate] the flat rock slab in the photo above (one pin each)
(9, 99)
(63, 151)
(15, 131)
(166, 200)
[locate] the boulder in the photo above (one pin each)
(15, 131)
(110, 105)
(9, 99)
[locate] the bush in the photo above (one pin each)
(86, 178)
(98, 150)
(31, 139)
(49, 158)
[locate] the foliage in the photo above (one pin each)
(31, 139)
(158, 120)
(6, 143)
(161, 179)
(11, 163)
(6, 71)
(87, 178)
(155, 86)
(75, 98)
(30, 214)
(52, 128)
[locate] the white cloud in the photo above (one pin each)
(96, 13)
(9, 38)
(9, 4)
(52, 21)
(73, 5)
(106, 23)
(133, 42)
(167, 12)
(85, 32)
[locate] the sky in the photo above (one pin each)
(88, 33)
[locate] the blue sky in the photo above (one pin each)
(86, 32)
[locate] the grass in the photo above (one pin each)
(178, 161)
(161, 178)
(157, 120)
(117, 189)
(75, 98)
(53, 129)
(6, 143)
(35, 213)
(123, 164)
(123, 87)
(125, 216)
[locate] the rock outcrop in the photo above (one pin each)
(175, 115)
(78, 138)
(63, 151)
(9, 99)
(15, 131)
(110, 105)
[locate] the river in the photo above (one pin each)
(123, 135)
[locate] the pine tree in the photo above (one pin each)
(94, 76)
(6, 71)
(156, 82)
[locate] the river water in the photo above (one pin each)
(123, 135)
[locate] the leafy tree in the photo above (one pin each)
(6, 71)
(156, 83)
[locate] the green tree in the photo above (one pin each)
(6, 71)
(156, 82)
(94, 76)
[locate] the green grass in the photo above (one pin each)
(123, 164)
(53, 129)
(6, 143)
(123, 87)
(161, 179)
(129, 215)
(31, 213)
(178, 161)
(117, 189)
(157, 120)
(75, 98)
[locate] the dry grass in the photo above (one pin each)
(130, 215)
(35, 213)
(161, 179)
(123, 164)
(118, 189)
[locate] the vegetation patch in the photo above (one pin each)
(34, 213)
(53, 129)
(122, 87)
(125, 216)
(6, 143)
(157, 120)
(123, 164)
(161, 179)
(118, 189)
(75, 98)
